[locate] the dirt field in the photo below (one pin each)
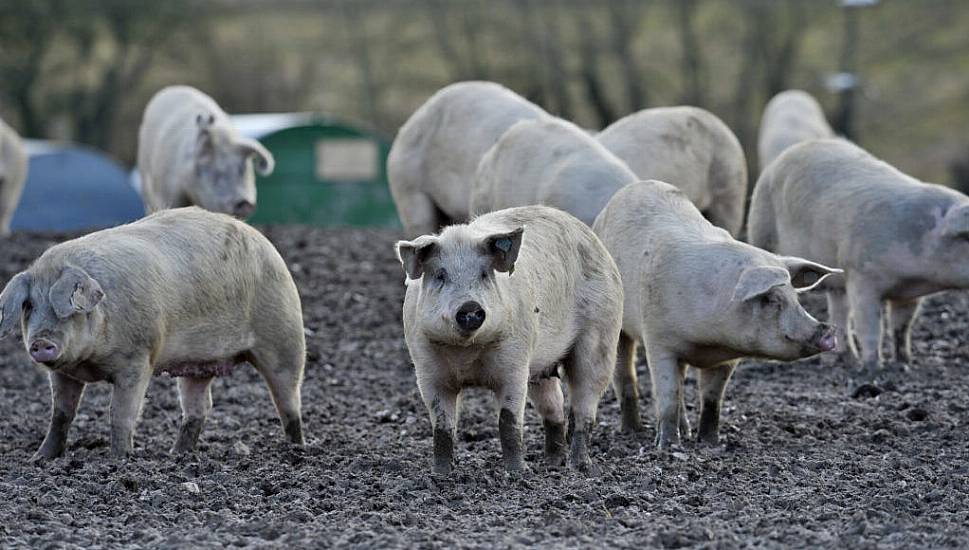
(802, 463)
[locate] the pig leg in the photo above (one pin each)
(866, 315)
(442, 406)
(546, 396)
(838, 316)
(902, 315)
(283, 372)
(419, 215)
(65, 396)
(127, 398)
(684, 418)
(511, 417)
(713, 382)
(666, 373)
(727, 211)
(626, 386)
(588, 369)
(195, 395)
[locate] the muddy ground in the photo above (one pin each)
(802, 463)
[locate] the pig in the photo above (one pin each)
(434, 158)
(13, 173)
(185, 292)
(897, 238)
(790, 117)
(189, 154)
(696, 296)
(552, 162)
(690, 148)
(502, 303)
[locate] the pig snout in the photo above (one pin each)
(44, 351)
(470, 316)
(825, 338)
(243, 209)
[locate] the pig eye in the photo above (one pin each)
(768, 300)
(484, 275)
(441, 276)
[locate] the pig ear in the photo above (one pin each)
(806, 274)
(204, 146)
(956, 222)
(413, 254)
(74, 292)
(503, 248)
(757, 281)
(262, 159)
(12, 302)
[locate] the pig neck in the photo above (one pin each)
(704, 356)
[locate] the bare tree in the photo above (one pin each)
(27, 29)
(691, 60)
(844, 118)
(624, 17)
(358, 44)
(592, 83)
(438, 12)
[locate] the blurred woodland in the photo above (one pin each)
(83, 70)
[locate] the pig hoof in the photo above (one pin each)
(708, 439)
(442, 468)
(555, 461)
(665, 442)
(40, 458)
(584, 465)
(515, 465)
(631, 425)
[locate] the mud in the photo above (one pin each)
(801, 463)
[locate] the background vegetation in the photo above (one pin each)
(83, 69)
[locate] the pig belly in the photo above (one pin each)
(201, 353)
(201, 369)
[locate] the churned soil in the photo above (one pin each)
(802, 462)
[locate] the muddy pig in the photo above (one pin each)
(552, 162)
(695, 296)
(183, 291)
(434, 157)
(501, 303)
(790, 117)
(897, 238)
(690, 148)
(190, 154)
(13, 173)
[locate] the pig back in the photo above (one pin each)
(562, 268)
(183, 271)
(836, 204)
(452, 132)
(635, 224)
(169, 133)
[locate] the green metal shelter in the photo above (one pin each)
(327, 173)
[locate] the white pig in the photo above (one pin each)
(696, 296)
(13, 173)
(436, 153)
(183, 291)
(552, 162)
(690, 148)
(190, 154)
(790, 117)
(501, 303)
(897, 238)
